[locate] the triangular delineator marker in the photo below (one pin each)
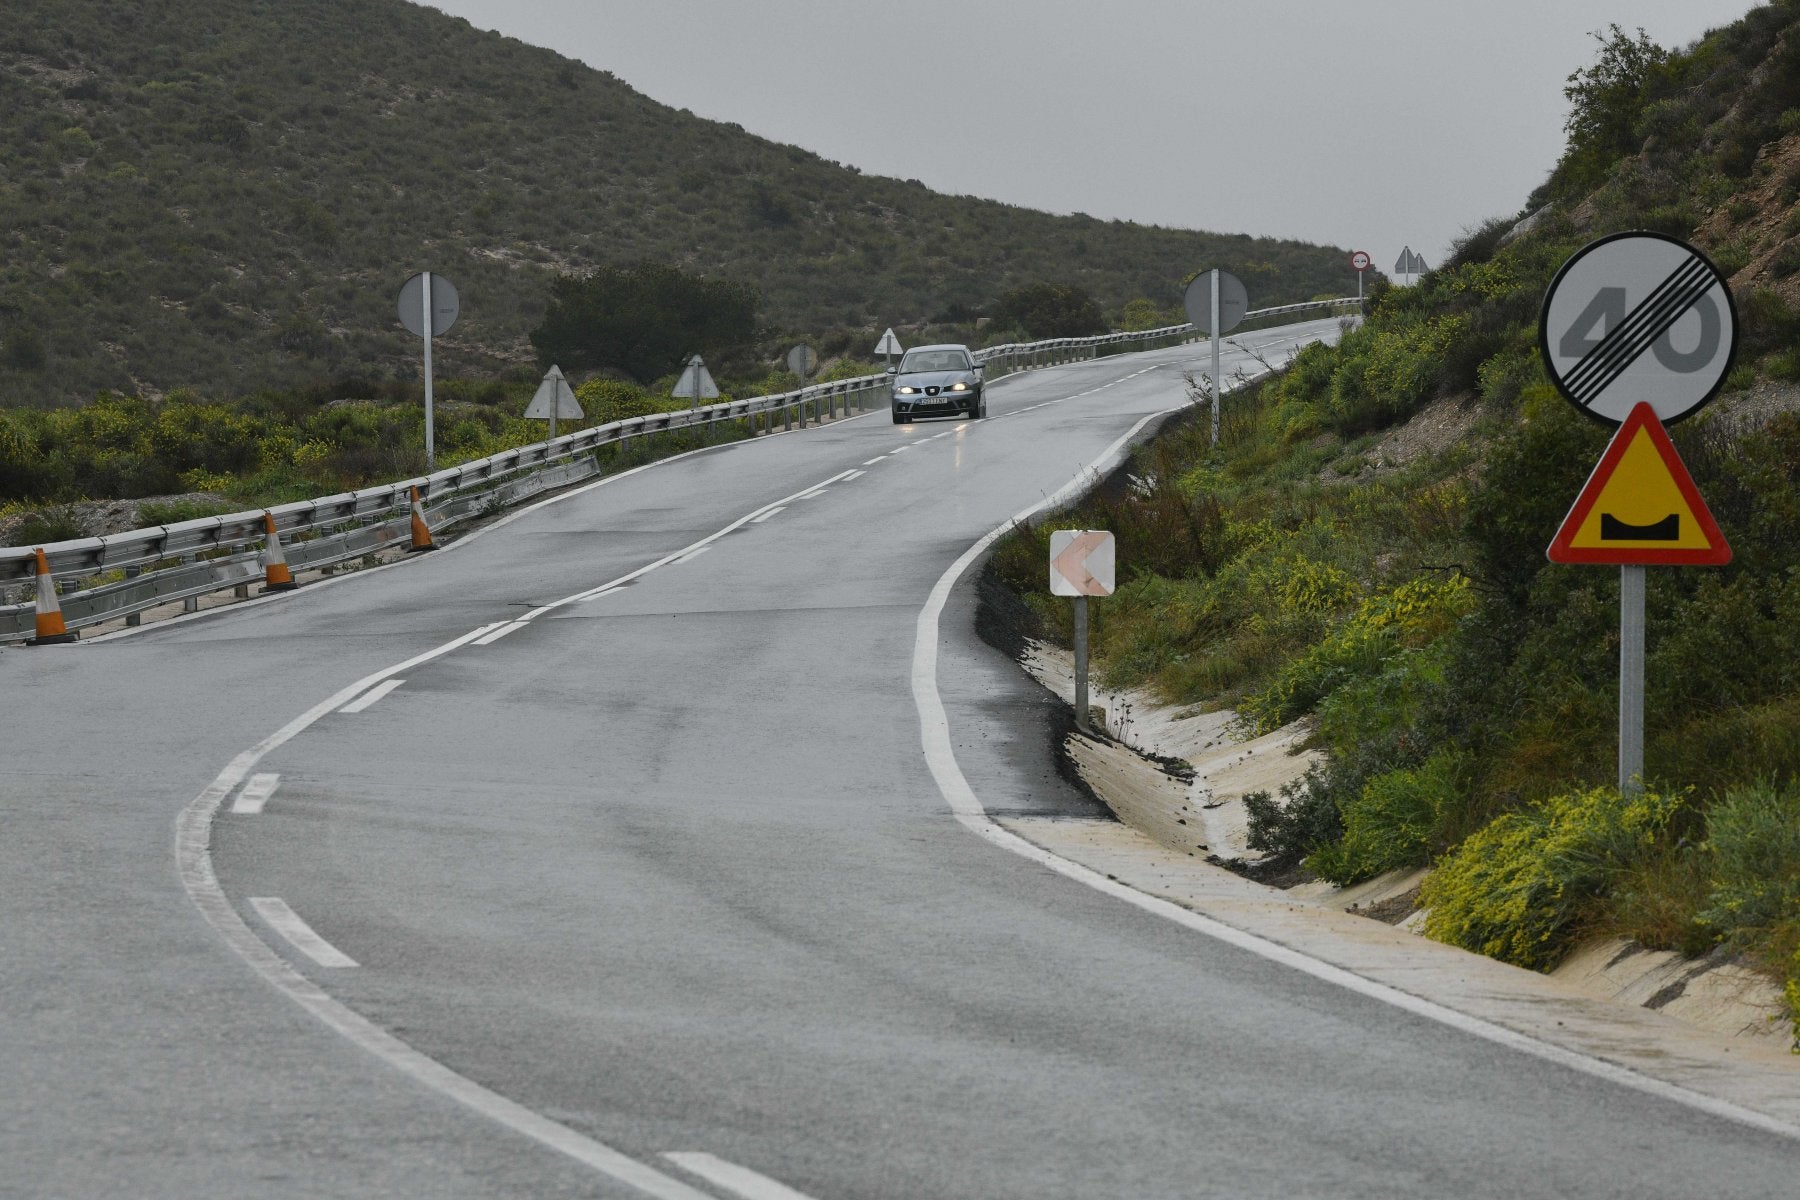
(1640, 506)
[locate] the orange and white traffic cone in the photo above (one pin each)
(276, 576)
(421, 532)
(50, 628)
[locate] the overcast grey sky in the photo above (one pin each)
(1362, 123)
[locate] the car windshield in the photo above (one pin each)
(935, 360)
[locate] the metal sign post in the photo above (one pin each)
(1638, 331)
(801, 360)
(429, 306)
(696, 383)
(1081, 565)
(554, 399)
(1359, 262)
(1217, 300)
(887, 347)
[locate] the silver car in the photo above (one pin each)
(937, 381)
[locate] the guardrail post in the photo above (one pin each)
(133, 620)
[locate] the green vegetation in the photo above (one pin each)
(1391, 587)
(269, 447)
(644, 320)
(227, 197)
(1051, 310)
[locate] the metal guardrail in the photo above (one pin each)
(119, 575)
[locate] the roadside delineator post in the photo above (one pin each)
(276, 576)
(421, 532)
(1081, 565)
(50, 628)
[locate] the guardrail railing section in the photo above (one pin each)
(121, 575)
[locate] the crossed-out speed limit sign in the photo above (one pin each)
(1638, 317)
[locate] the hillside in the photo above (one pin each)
(228, 196)
(1365, 553)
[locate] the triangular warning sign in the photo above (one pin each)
(1640, 506)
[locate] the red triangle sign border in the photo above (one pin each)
(1562, 549)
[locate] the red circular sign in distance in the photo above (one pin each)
(1360, 260)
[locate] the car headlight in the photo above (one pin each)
(908, 391)
(959, 387)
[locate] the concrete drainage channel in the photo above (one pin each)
(1710, 1026)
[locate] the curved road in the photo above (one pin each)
(649, 888)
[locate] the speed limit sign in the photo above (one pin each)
(1638, 317)
(1360, 261)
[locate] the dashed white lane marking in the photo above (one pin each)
(502, 631)
(193, 858)
(899, 450)
(606, 592)
(854, 475)
(934, 437)
(256, 793)
(375, 693)
(874, 460)
(300, 935)
(739, 1181)
(953, 785)
(767, 515)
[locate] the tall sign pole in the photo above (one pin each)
(1217, 300)
(1638, 330)
(1081, 565)
(1359, 262)
(429, 306)
(1215, 356)
(430, 423)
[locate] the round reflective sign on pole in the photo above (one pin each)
(1638, 317)
(445, 305)
(802, 360)
(1360, 260)
(1234, 301)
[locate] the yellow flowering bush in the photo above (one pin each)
(1518, 889)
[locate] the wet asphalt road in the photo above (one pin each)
(667, 867)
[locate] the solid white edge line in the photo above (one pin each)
(256, 793)
(766, 516)
(490, 639)
(940, 757)
(300, 935)
(373, 695)
(193, 862)
(741, 1181)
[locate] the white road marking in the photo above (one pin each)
(497, 634)
(740, 1181)
(603, 592)
(899, 450)
(691, 555)
(535, 613)
(766, 516)
(193, 859)
(256, 793)
(372, 695)
(300, 935)
(854, 475)
(874, 460)
(940, 758)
